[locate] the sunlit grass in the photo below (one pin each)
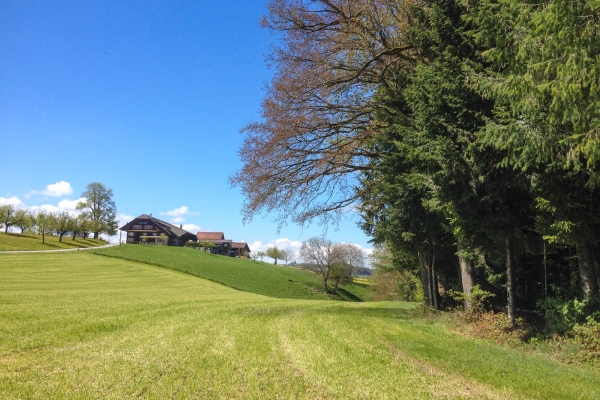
(31, 241)
(242, 274)
(76, 325)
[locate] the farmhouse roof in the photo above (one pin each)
(175, 230)
(210, 236)
(239, 245)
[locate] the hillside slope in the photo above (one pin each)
(31, 241)
(242, 274)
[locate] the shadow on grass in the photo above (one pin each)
(70, 243)
(21, 235)
(346, 295)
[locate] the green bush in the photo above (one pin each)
(562, 314)
(478, 299)
(587, 336)
(396, 285)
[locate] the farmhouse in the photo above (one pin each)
(147, 229)
(224, 247)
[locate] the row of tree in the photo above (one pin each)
(285, 255)
(465, 133)
(335, 262)
(44, 222)
(97, 215)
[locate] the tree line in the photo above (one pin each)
(466, 134)
(335, 262)
(98, 213)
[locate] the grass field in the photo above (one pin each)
(30, 241)
(243, 274)
(75, 325)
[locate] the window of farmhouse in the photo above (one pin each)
(149, 227)
(130, 233)
(137, 227)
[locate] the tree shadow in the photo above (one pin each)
(346, 295)
(21, 235)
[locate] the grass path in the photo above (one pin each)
(76, 325)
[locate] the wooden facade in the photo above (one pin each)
(224, 247)
(146, 229)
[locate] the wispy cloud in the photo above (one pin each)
(178, 214)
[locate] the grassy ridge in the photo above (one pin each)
(31, 241)
(76, 325)
(242, 274)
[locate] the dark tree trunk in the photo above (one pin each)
(466, 277)
(587, 269)
(73, 237)
(597, 268)
(434, 284)
(325, 278)
(60, 235)
(95, 235)
(43, 238)
(424, 273)
(510, 292)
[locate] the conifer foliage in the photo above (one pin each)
(465, 133)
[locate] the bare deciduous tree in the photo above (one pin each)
(301, 159)
(287, 255)
(320, 253)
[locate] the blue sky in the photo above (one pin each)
(146, 97)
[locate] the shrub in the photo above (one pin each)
(478, 297)
(587, 336)
(562, 314)
(396, 285)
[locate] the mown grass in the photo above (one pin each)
(76, 325)
(242, 274)
(31, 241)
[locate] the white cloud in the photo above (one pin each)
(69, 205)
(178, 212)
(12, 200)
(191, 228)
(124, 218)
(58, 189)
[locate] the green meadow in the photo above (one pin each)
(31, 241)
(78, 325)
(243, 274)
